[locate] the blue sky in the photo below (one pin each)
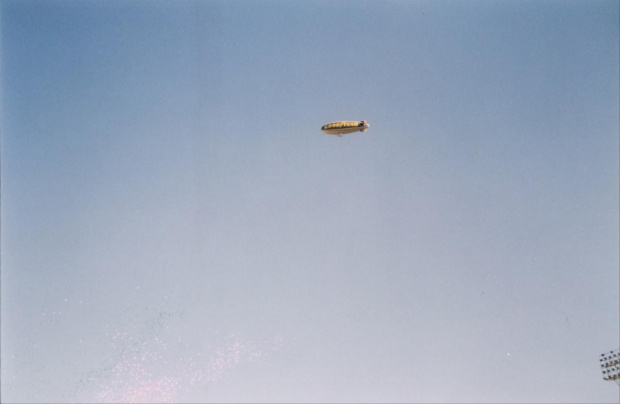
(175, 226)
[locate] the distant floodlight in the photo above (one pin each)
(609, 366)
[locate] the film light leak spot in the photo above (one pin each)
(151, 371)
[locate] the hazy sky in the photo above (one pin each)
(175, 226)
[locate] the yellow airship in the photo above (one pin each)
(343, 127)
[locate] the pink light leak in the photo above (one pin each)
(142, 373)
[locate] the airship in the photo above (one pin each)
(343, 127)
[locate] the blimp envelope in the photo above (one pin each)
(343, 127)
